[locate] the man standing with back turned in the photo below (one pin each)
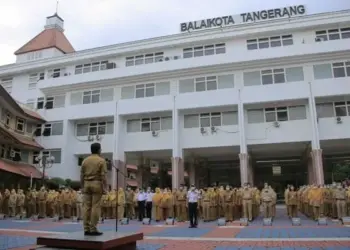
(94, 184)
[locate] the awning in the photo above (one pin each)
(23, 169)
(131, 183)
(131, 167)
(154, 170)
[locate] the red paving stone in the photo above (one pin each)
(147, 230)
(223, 233)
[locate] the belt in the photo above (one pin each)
(340, 199)
(247, 199)
(193, 202)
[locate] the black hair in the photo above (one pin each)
(95, 148)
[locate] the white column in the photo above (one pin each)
(192, 173)
(176, 160)
(243, 156)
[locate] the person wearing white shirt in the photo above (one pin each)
(193, 197)
(149, 198)
(141, 200)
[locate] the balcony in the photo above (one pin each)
(145, 105)
(331, 87)
(167, 69)
(147, 141)
(332, 128)
(80, 145)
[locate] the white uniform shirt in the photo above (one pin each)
(141, 197)
(149, 197)
(193, 196)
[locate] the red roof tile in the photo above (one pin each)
(48, 38)
(131, 167)
(20, 168)
(132, 183)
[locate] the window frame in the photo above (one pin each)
(342, 104)
(345, 66)
(7, 84)
(34, 78)
(142, 59)
(145, 87)
(276, 110)
(338, 33)
(268, 42)
(91, 94)
(20, 122)
(273, 73)
(203, 50)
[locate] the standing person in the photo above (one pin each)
(193, 197)
(93, 178)
(149, 197)
(141, 200)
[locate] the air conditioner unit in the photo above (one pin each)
(213, 129)
(12, 154)
(160, 60)
(319, 39)
(339, 120)
(203, 130)
(111, 65)
(98, 137)
(166, 58)
(276, 124)
(154, 133)
(90, 138)
(176, 57)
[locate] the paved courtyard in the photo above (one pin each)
(281, 235)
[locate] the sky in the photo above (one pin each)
(95, 23)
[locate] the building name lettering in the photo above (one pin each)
(249, 17)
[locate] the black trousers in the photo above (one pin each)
(192, 210)
(141, 210)
(149, 209)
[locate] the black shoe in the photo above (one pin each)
(86, 233)
(96, 233)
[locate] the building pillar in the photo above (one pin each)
(192, 174)
(177, 169)
(243, 167)
(139, 177)
(317, 163)
(250, 171)
(310, 171)
(121, 166)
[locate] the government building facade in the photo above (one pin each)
(259, 99)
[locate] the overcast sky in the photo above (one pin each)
(94, 23)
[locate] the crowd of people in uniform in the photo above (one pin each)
(207, 204)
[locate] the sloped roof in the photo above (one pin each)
(48, 38)
(20, 138)
(24, 111)
(20, 168)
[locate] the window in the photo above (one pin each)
(38, 130)
(91, 96)
(29, 128)
(206, 83)
(297, 112)
(34, 55)
(55, 102)
(34, 78)
(206, 50)
(144, 90)
(40, 103)
(214, 119)
(8, 119)
(53, 128)
(272, 76)
(90, 67)
(15, 154)
(325, 110)
(144, 59)
(269, 42)
(20, 125)
(149, 124)
(6, 83)
(55, 73)
(94, 128)
(34, 159)
(332, 34)
(341, 69)
(55, 153)
(30, 103)
(276, 114)
(342, 108)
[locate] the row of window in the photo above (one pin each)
(276, 114)
(273, 76)
(269, 42)
(94, 128)
(144, 59)
(92, 96)
(50, 102)
(6, 83)
(332, 34)
(334, 70)
(145, 90)
(34, 79)
(333, 109)
(149, 124)
(207, 50)
(206, 83)
(49, 129)
(90, 67)
(214, 119)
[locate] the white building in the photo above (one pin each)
(246, 100)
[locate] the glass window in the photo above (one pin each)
(57, 128)
(282, 114)
(295, 74)
(345, 33)
(187, 53)
(322, 71)
(186, 85)
(191, 121)
(220, 48)
(297, 112)
(334, 34)
(252, 78)
(200, 84)
(204, 120)
(275, 41)
(338, 70)
(278, 76)
(133, 126)
(82, 129)
(215, 119)
(209, 50)
(166, 123)
(57, 155)
(287, 40)
(266, 77)
(229, 118)
(252, 44)
(263, 43)
(325, 110)
(255, 116)
(321, 36)
(198, 51)
(340, 109)
(145, 125)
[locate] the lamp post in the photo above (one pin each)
(44, 162)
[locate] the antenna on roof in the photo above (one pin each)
(57, 3)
